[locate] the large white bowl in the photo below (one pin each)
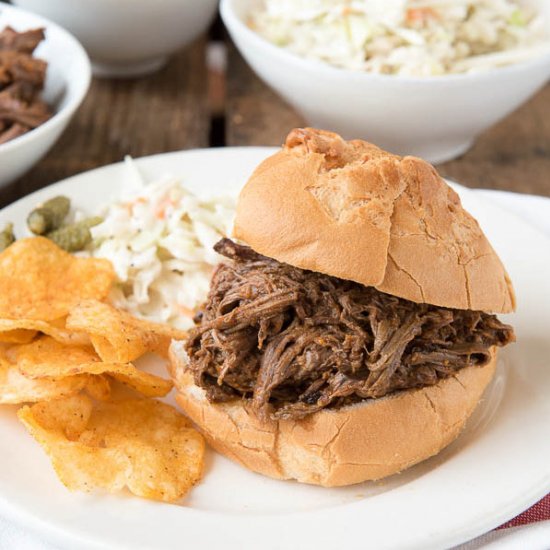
(127, 38)
(437, 118)
(67, 81)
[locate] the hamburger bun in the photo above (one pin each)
(353, 211)
(365, 441)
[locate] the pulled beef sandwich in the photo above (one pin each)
(354, 333)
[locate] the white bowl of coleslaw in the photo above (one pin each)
(434, 116)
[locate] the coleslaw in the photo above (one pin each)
(406, 37)
(159, 238)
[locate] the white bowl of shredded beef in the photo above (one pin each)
(44, 76)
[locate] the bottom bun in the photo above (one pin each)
(365, 441)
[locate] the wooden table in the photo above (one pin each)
(514, 155)
(185, 105)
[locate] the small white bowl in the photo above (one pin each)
(436, 118)
(128, 38)
(67, 81)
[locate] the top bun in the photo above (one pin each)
(353, 211)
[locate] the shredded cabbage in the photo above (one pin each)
(159, 238)
(406, 37)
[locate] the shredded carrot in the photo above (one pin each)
(419, 15)
(160, 212)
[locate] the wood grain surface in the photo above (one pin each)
(514, 155)
(178, 107)
(167, 111)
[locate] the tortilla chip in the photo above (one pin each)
(39, 281)
(117, 336)
(142, 444)
(17, 388)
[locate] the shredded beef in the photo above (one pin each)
(292, 341)
(22, 78)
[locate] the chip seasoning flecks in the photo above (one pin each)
(141, 444)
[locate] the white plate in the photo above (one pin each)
(496, 469)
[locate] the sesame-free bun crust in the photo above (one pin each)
(351, 210)
(366, 441)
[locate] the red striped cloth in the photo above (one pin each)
(538, 512)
